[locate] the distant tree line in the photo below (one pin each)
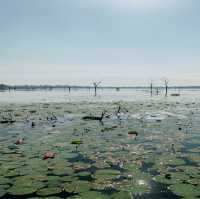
(4, 87)
(95, 86)
(39, 87)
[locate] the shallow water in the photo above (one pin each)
(80, 95)
(148, 149)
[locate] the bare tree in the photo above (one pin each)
(151, 87)
(166, 82)
(96, 84)
(157, 91)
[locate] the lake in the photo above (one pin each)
(121, 144)
(104, 95)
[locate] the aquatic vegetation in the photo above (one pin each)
(94, 194)
(185, 190)
(61, 170)
(77, 187)
(172, 178)
(2, 191)
(77, 143)
(48, 191)
(195, 158)
(162, 162)
(111, 163)
(105, 174)
(84, 175)
(24, 187)
(81, 166)
(74, 197)
(4, 181)
(51, 197)
(193, 171)
(122, 195)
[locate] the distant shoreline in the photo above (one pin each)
(41, 87)
(50, 87)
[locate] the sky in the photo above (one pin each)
(118, 42)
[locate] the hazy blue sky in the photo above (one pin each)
(125, 42)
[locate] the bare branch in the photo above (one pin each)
(96, 84)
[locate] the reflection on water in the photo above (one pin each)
(104, 95)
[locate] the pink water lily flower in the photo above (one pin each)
(48, 155)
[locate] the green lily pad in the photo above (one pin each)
(193, 171)
(53, 180)
(94, 194)
(19, 190)
(194, 181)
(132, 168)
(79, 167)
(24, 185)
(85, 176)
(49, 191)
(62, 171)
(172, 178)
(138, 187)
(77, 142)
(12, 173)
(107, 172)
(52, 197)
(121, 195)
(2, 192)
(77, 187)
(4, 180)
(185, 190)
(170, 160)
(74, 197)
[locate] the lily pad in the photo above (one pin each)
(94, 194)
(121, 195)
(106, 174)
(77, 142)
(172, 178)
(77, 187)
(170, 160)
(185, 190)
(2, 192)
(52, 197)
(48, 191)
(22, 190)
(193, 171)
(4, 180)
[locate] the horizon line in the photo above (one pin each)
(37, 86)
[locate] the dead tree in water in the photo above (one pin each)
(120, 111)
(95, 117)
(151, 88)
(166, 82)
(96, 84)
(157, 91)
